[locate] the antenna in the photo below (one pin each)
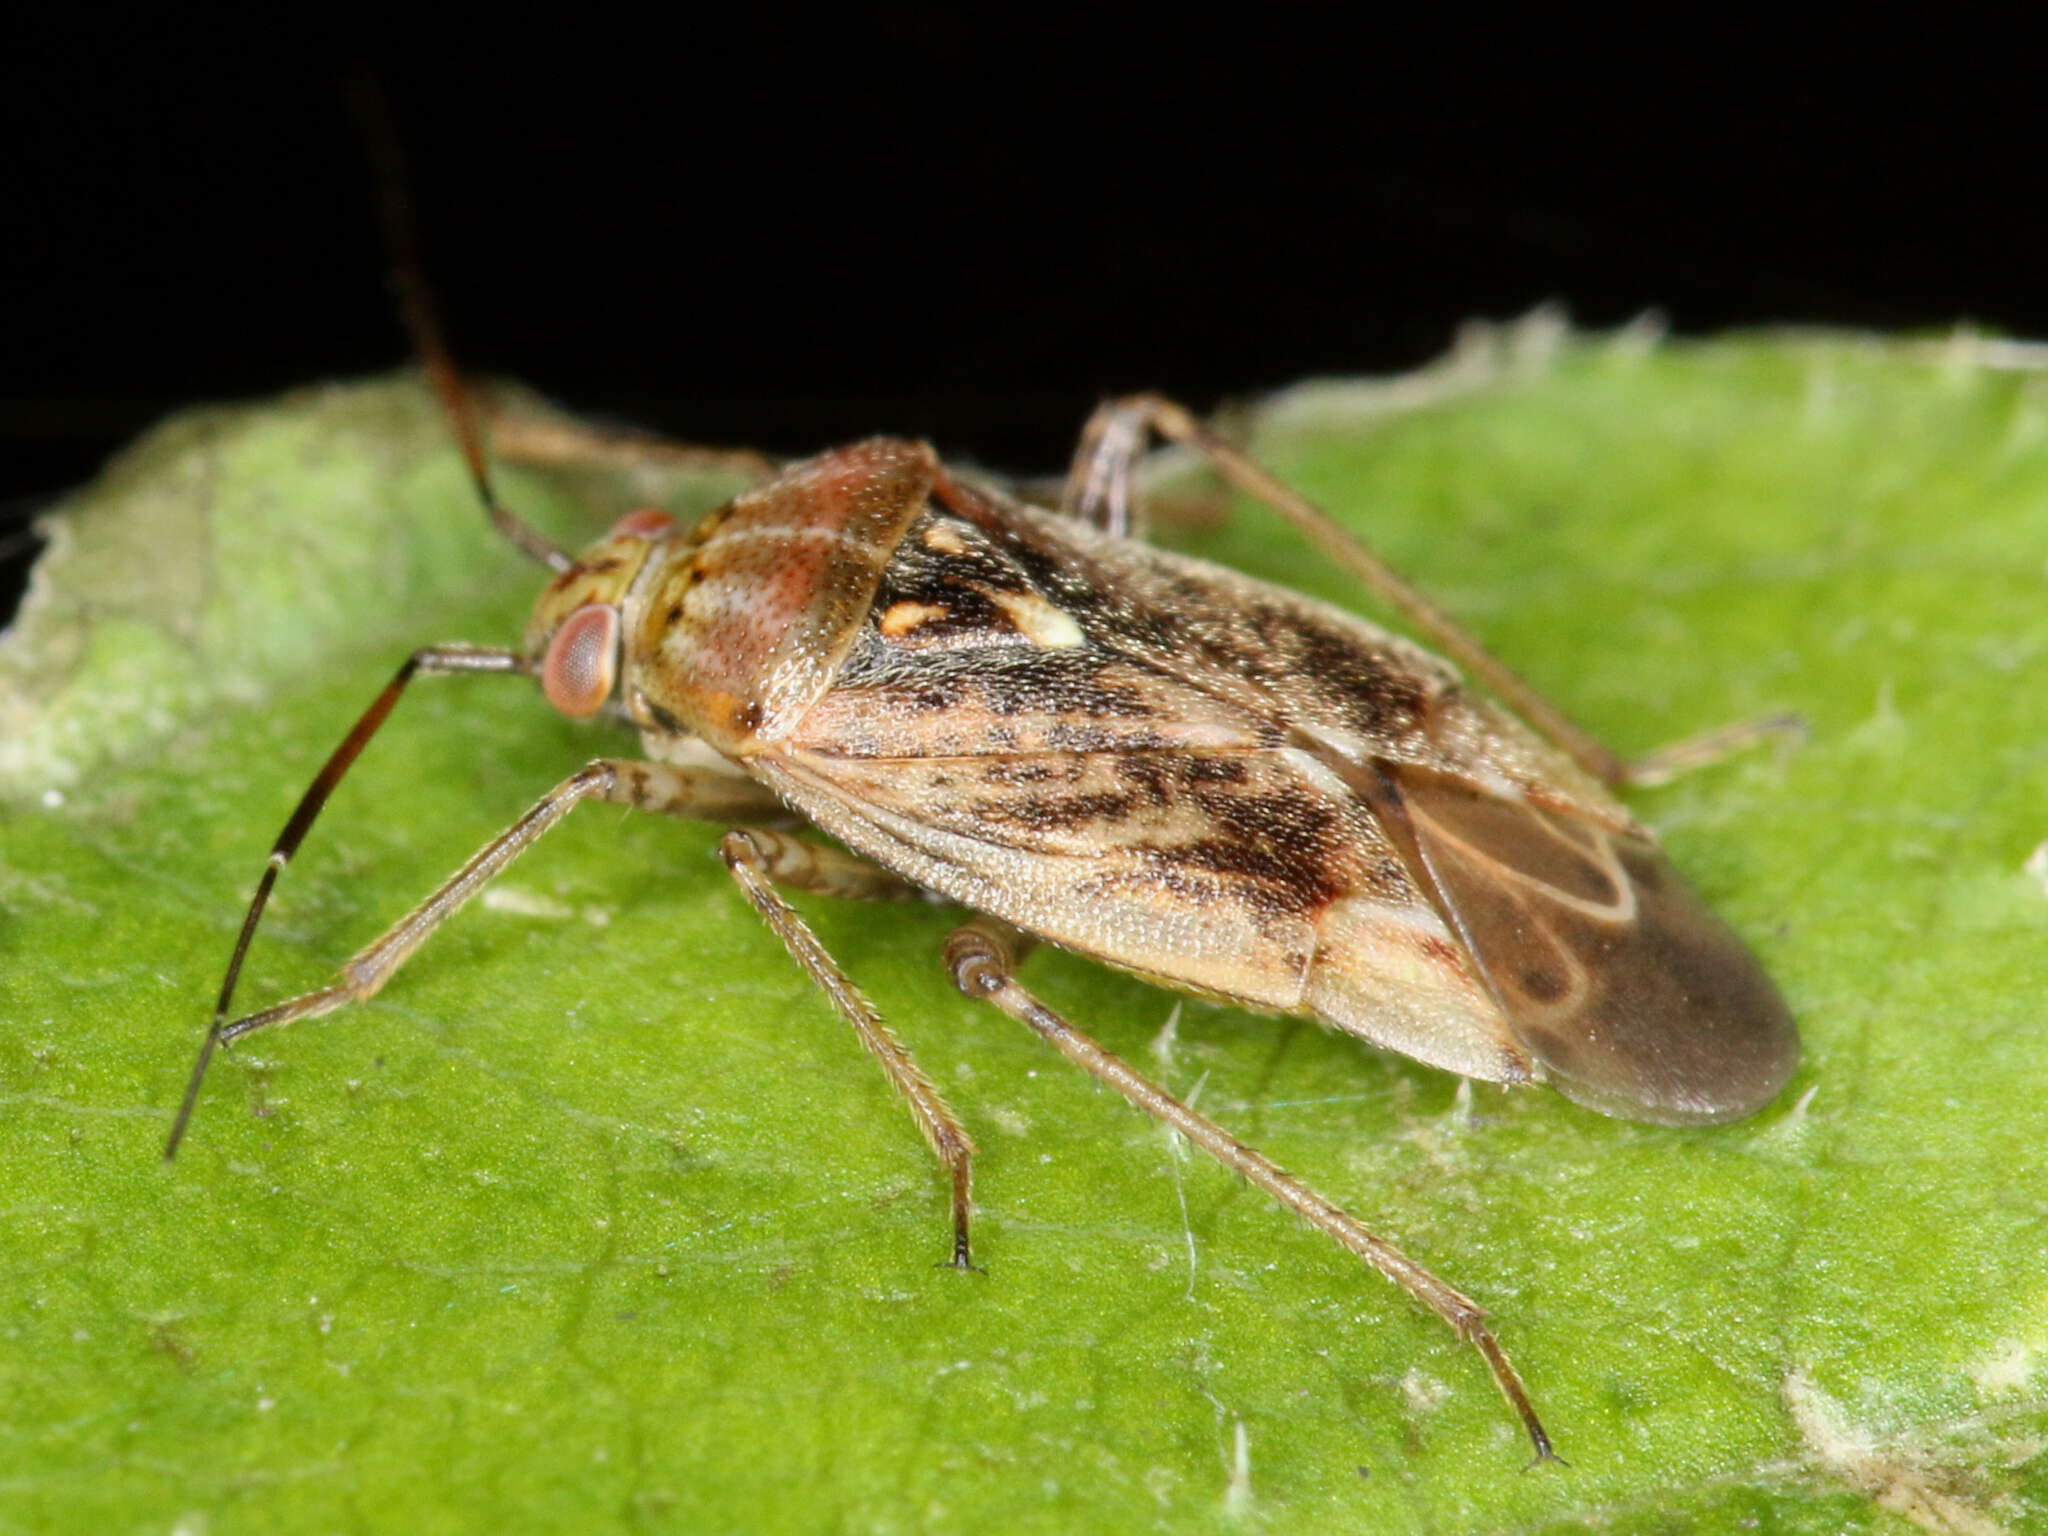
(408, 279)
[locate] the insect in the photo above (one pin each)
(1214, 783)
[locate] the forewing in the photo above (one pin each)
(1146, 860)
(1095, 741)
(1622, 984)
(1234, 790)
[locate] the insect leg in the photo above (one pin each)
(645, 786)
(1681, 757)
(434, 659)
(1101, 475)
(980, 956)
(371, 967)
(1099, 487)
(760, 860)
(551, 443)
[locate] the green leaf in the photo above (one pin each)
(597, 1217)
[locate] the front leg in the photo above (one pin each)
(652, 463)
(365, 973)
(758, 859)
(648, 786)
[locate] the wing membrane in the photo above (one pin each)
(1635, 999)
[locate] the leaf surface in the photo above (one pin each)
(598, 1218)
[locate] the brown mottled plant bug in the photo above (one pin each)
(1219, 785)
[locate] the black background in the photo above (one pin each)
(920, 221)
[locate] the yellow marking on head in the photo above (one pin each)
(1039, 621)
(902, 618)
(945, 539)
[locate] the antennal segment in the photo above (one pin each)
(422, 325)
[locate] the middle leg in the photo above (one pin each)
(760, 860)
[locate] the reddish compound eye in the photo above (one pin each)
(576, 675)
(647, 523)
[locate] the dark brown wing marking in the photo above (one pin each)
(1634, 998)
